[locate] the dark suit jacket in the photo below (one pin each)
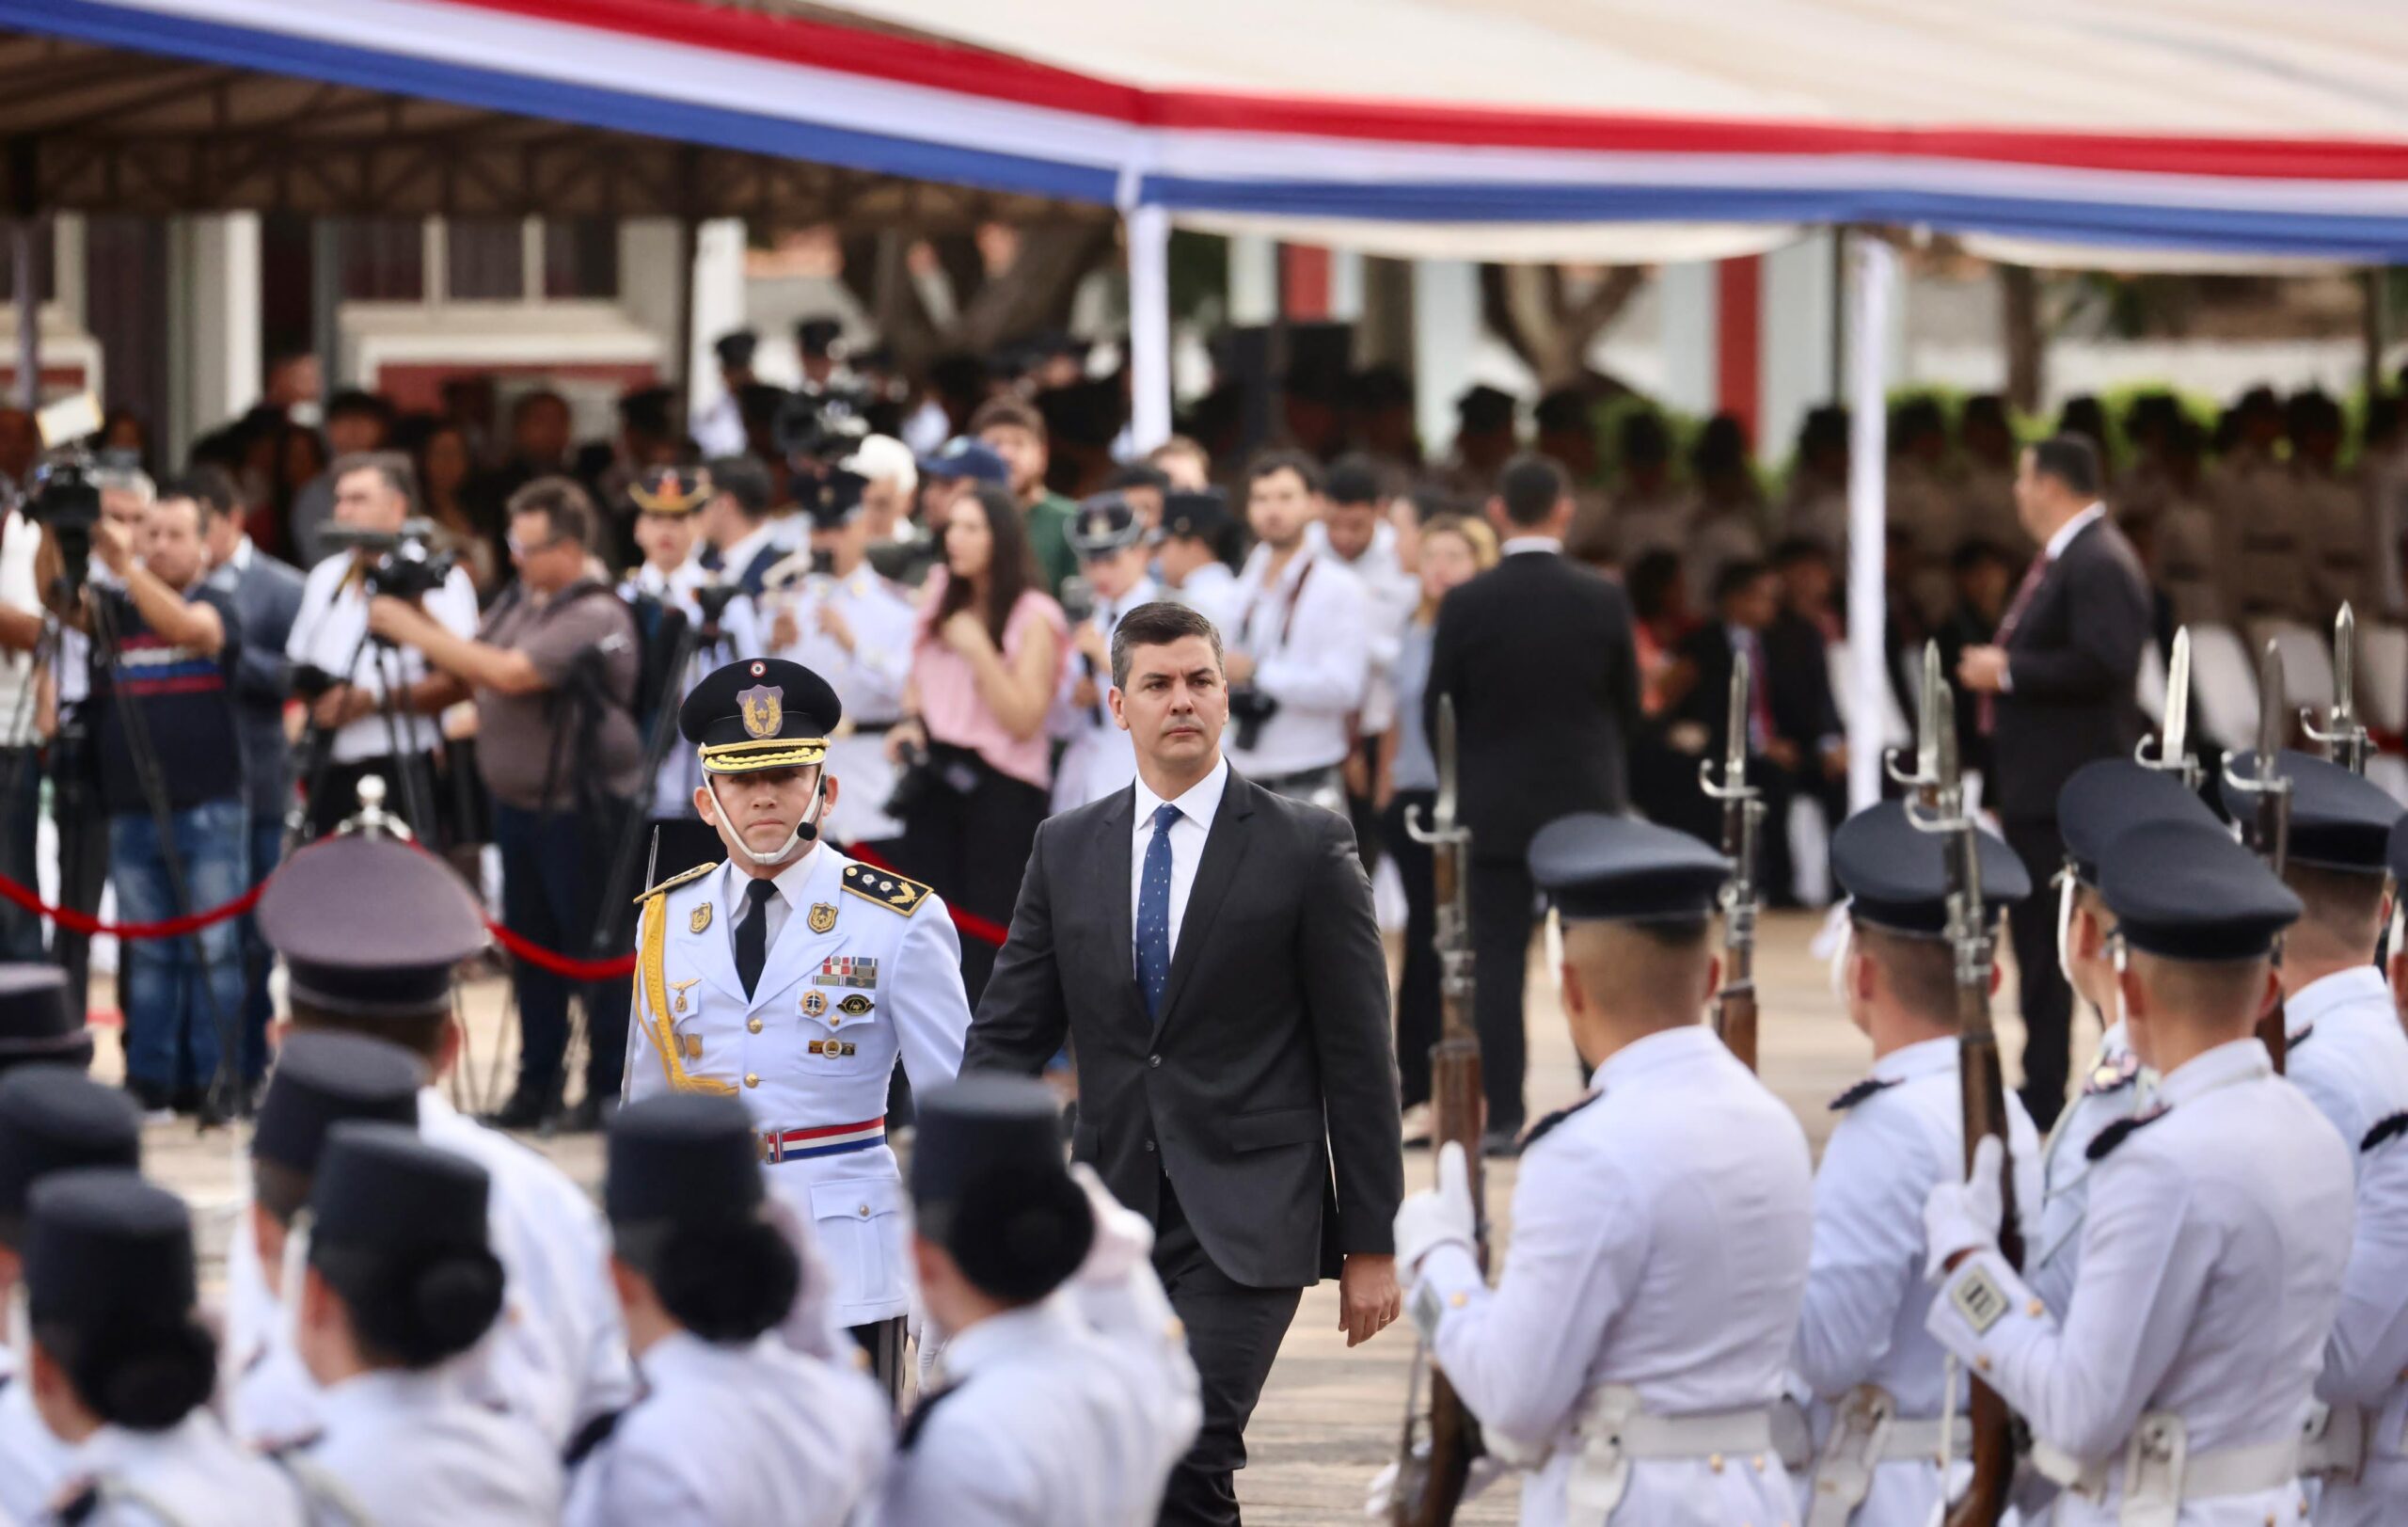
(1269, 1060)
(2075, 659)
(1538, 653)
(267, 598)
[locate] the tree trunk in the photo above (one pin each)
(1036, 293)
(2020, 286)
(1531, 308)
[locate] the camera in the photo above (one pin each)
(405, 564)
(823, 425)
(66, 498)
(1249, 707)
(713, 600)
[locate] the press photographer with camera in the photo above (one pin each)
(345, 677)
(27, 568)
(1301, 652)
(165, 646)
(553, 673)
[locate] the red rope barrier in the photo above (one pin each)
(560, 965)
(968, 922)
(78, 922)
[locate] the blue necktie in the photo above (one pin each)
(1153, 911)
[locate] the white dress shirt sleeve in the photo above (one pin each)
(1518, 1354)
(633, 1481)
(1326, 658)
(2146, 1259)
(962, 1470)
(1868, 1249)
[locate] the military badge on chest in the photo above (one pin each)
(701, 919)
(823, 917)
(815, 1004)
(846, 969)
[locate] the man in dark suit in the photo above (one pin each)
(2057, 689)
(267, 598)
(1210, 951)
(1538, 656)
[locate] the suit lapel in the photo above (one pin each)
(1225, 848)
(1111, 859)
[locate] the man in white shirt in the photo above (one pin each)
(1108, 535)
(739, 536)
(1187, 556)
(1300, 653)
(347, 676)
(719, 428)
(1354, 531)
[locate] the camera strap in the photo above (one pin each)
(1288, 614)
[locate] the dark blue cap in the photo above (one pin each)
(1196, 517)
(2108, 795)
(1897, 875)
(736, 347)
(38, 1019)
(2339, 821)
(370, 927)
(962, 458)
(833, 500)
(760, 713)
(53, 1119)
(2187, 891)
(321, 1079)
(381, 1187)
(1596, 867)
(990, 1185)
(686, 1158)
(1104, 524)
(106, 1250)
(2397, 851)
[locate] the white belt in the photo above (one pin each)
(1613, 1433)
(2334, 1443)
(1867, 1432)
(2160, 1473)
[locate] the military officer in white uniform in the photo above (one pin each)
(794, 978)
(832, 614)
(1097, 756)
(2102, 799)
(2347, 1052)
(1634, 1349)
(1880, 1380)
(2173, 1387)
(1067, 1391)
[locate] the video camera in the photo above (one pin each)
(1249, 709)
(65, 498)
(406, 563)
(821, 426)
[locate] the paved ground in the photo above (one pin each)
(1330, 1417)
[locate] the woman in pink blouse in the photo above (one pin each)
(984, 669)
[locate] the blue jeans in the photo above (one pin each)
(170, 1019)
(267, 848)
(553, 869)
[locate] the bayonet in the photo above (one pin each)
(1931, 699)
(2270, 825)
(2343, 736)
(1743, 812)
(2173, 753)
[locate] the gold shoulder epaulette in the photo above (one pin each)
(677, 880)
(887, 888)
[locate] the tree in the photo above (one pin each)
(987, 307)
(1551, 317)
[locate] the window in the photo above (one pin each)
(582, 258)
(485, 259)
(384, 260)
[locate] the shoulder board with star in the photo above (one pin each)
(2117, 1133)
(1545, 1126)
(1865, 1088)
(893, 891)
(695, 873)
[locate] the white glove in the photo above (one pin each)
(1438, 1217)
(1123, 1237)
(1964, 1216)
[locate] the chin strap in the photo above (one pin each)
(805, 831)
(2065, 927)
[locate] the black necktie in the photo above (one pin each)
(752, 934)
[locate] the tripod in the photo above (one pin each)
(223, 1102)
(417, 795)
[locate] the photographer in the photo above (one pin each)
(168, 682)
(345, 678)
(553, 674)
(25, 573)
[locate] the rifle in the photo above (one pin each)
(1437, 1450)
(2173, 756)
(1743, 815)
(1981, 1083)
(2344, 735)
(2270, 831)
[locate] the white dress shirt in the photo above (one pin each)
(2115, 1087)
(1197, 808)
(327, 630)
(2056, 548)
(1311, 639)
(1099, 757)
(404, 1449)
(191, 1474)
(1661, 1233)
(793, 884)
(33, 1461)
(1518, 545)
(1211, 590)
(2211, 1267)
(741, 1434)
(1393, 595)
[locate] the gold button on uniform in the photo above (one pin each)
(752, 1024)
(1715, 1463)
(865, 1211)
(2035, 1309)
(752, 1079)
(1982, 1360)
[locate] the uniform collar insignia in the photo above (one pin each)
(2121, 1131)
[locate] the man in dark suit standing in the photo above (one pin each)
(267, 600)
(2057, 689)
(1210, 951)
(1538, 656)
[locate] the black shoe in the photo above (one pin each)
(1502, 1144)
(153, 1098)
(523, 1113)
(583, 1116)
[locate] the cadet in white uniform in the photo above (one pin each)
(837, 617)
(2347, 1052)
(319, 1080)
(1066, 1393)
(2173, 1387)
(794, 978)
(1634, 1345)
(2100, 802)
(53, 1118)
(370, 930)
(400, 1285)
(1098, 756)
(1187, 558)
(707, 1278)
(109, 1288)
(1880, 1380)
